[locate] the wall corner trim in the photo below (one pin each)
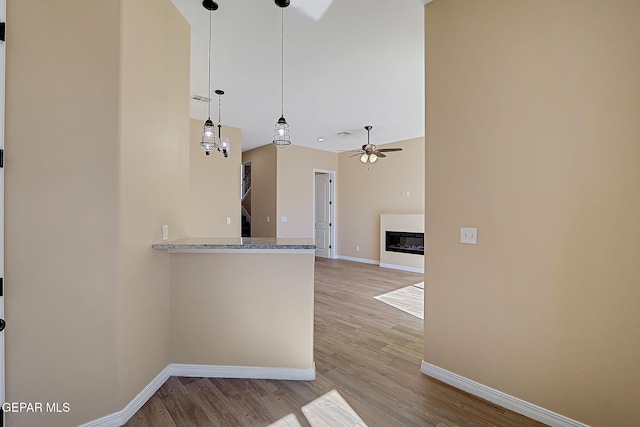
(120, 418)
(506, 401)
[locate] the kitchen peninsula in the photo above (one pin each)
(242, 307)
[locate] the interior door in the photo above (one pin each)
(323, 220)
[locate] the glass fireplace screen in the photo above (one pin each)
(407, 242)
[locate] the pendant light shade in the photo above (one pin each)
(281, 134)
(209, 141)
(223, 142)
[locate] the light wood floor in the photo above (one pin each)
(366, 350)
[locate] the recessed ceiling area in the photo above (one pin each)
(347, 64)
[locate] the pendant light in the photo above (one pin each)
(223, 141)
(368, 155)
(281, 135)
(209, 140)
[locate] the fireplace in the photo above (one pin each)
(405, 242)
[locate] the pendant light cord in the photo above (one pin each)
(209, 57)
(282, 60)
(219, 107)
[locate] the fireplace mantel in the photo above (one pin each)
(409, 223)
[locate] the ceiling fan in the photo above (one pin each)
(369, 153)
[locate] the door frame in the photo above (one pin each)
(334, 218)
(3, 60)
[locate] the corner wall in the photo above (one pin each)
(61, 209)
(96, 163)
(532, 136)
(214, 186)
(153, 181)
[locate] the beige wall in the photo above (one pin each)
(296, 181)
(153, 181)
(214, 186)
(365, 192)
(96, 164)
(227, 309)
(61, 209)
(263, 189)
(532, 136)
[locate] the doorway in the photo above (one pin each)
(324, 212)
(245, 199)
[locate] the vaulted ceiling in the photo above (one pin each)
(347, 64)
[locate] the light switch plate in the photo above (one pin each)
(228, 220)
(469, 235)
(284, 219)
(165, 232)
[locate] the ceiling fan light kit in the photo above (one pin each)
(369, 152)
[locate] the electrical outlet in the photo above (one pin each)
(357, 248)
(284, 219)
(228, 220)
(469, 236)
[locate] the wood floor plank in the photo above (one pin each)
(172, 388)
(367, 351)
(379, 398)
(152, 414)
(186, 412)
(280, 404)
(213, 402)
(372, 415)
(306, 391)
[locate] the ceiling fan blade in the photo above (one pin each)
(357, 154)
(379, 154)
(386, 150)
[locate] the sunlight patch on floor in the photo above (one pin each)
(409, 299)
(329, 410)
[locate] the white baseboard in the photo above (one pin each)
(120, 418)
(249, 372)
(499, 398)
(402, 267)
(362, 260)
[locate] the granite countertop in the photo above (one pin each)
(243, 243)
